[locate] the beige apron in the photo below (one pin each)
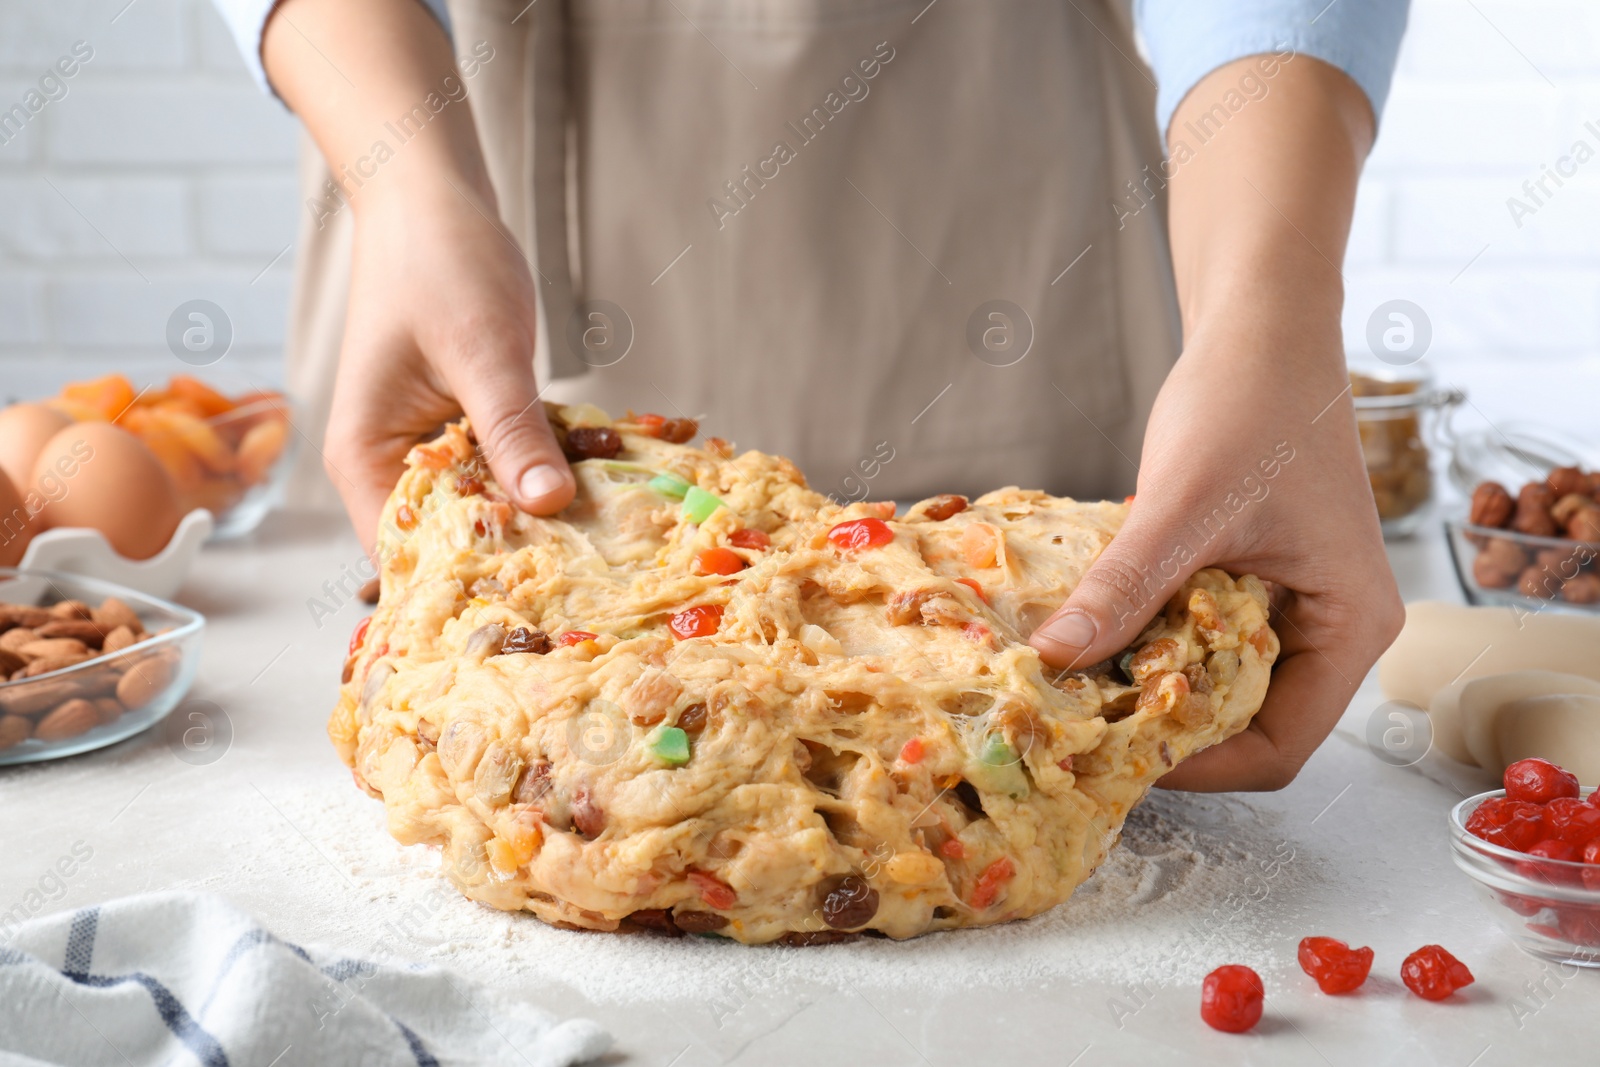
(891, 240)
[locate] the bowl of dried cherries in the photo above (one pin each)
(1533, 849)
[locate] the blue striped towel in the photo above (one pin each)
(185, 978)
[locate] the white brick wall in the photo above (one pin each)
(161, 176)
(163, 156)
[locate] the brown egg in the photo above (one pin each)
(97, 475)
(24, 428)
(16, 525)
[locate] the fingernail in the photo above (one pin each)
(539, 481)
(1075, 630)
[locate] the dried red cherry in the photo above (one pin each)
(850, 904)
(699, 621)
(861, 533)
(1571, 820)
(1513, 824)
(1552, 873)
(1231, 998)
(1336, 966)
(1538, 781)
(1433, 974)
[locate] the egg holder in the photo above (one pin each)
(79, 550)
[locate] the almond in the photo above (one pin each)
(14, 639)
(84, 630)
(52, 648)
(35, 697)
(113, 613)
(144, 681)
(46, 664)
(118, 639)
(69, 719)
(10, 663)
(70, 609)
(25, 615)
(110, 708)
(14, 730)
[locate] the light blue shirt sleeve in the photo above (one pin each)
(247, 19)
(1188, 39)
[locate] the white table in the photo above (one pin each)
(1369, 863)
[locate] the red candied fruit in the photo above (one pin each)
(360, 635)
(1579, 924)
(714, 892)
(718, 561)
(1433, 974)
(748, 538)
(1231, 998)
(1538, 781)
(1571, 820)
(699, 621)
(1513, 824)
(572, 637)
(861, 533)
(1336, 966)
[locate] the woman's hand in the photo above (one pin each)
(1251, 461)
(441, 315)
(440, 321)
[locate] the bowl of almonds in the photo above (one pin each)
(86, 663)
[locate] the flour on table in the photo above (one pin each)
(1188, 888)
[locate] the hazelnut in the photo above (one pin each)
(1585, 525)
(1562, 562)
(1537, 582)
(1564, 509)
(1584, 589)
(1564, 480)
(1532, 516)
(1505, 555)
(1491, 505)
(1487, 575)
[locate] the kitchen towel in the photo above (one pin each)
(181, 978)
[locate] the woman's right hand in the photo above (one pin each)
(440, 322)
(441, 316)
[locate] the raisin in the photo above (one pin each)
(467, 485)
(850, 904)
(699, 922)
(586, 814)
(523, 639)
(943, 506)
(593, 442)
(807, 938)
(678, 431)
(657, 919)
(534, 783)
(692, 719)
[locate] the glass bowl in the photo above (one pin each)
(98, 701)
(1507, 568)
(1549, 908)
(262, 437)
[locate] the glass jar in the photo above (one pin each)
(1398, 413)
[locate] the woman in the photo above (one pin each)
(919, 247)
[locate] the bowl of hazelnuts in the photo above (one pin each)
(1539, 547)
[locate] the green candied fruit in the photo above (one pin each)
(670, 485)
(699, 504)
(669, 744)
(998, 769)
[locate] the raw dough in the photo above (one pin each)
(1561, 727)
(1483, 701)
(801, 813)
